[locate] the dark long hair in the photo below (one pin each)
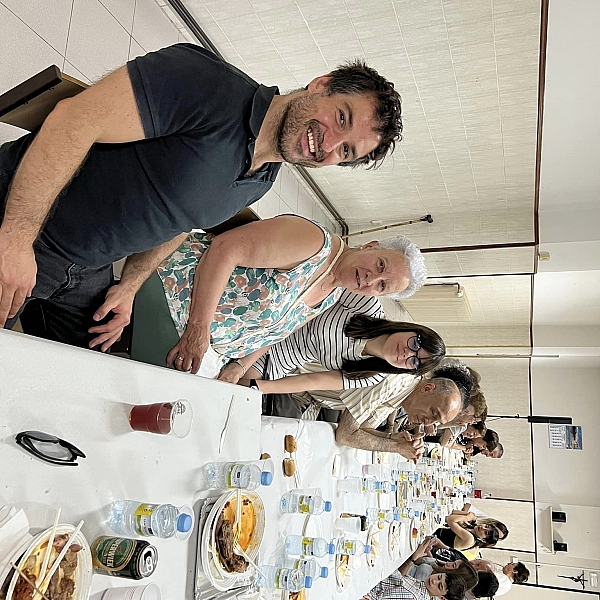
(491, 537)
(364, 327)
(487, 585)
(459, 580)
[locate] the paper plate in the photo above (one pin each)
(83, 573)
(412, 539)
(343, 571)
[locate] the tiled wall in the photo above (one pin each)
(89, 38)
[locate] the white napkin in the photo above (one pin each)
(14, 534)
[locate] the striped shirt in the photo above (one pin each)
(322, 341)
(370, 405)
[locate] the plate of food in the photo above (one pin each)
(397, 539)
(415, 526)
(72, 579)
(373, 541)
(223, 565)
(343, 571)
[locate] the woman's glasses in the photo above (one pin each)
(414, 343)
(49, 448)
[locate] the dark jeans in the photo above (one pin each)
(64, 299)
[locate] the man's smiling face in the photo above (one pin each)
(318, 129)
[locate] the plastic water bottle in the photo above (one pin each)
(386, 487)
(351, 547)
(382, 515)
(298, 545)
(225, 475)
(309, 566)
(280, 578)
(297, 502)
(129, 517)
(405, 512)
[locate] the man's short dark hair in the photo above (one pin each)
(491, 440)
(520, 573)
(499, 449)
(357, 78)
(461, 377)
(487, 585)
(456, 587)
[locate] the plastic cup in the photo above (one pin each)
(137, 592)
(163, 418)
(350, 524)
(350, 484)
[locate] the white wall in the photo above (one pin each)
(559, 389)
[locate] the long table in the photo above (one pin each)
(85, 397)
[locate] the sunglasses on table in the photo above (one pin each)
(49, 448)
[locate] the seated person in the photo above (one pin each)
(250, 287)
(487, 445)
(472, 431)
(431, 401)
(475, 516)
(467, 534)
(448, 584)
(513, 572)
(353, 350)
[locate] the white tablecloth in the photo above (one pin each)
(85, 397)
(314, 458)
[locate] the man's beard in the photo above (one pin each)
(292, 126)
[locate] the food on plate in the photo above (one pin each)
(224, 534)
(264, 456)
(289, 467)
(375, 549)
(342, 568)
(415, 532)
(62, 583)
(301, 595)
(290, 443)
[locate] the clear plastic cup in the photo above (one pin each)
(350, 484)
(350, 524)
(163, 418)
(136, 592)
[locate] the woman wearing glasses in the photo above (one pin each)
(355, 349)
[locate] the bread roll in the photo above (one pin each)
(290, 443)
(289, 467)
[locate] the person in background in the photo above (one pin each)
(487, 586)
(175, 140)
(472, 431)
(467, 534)
(449, 584)
(475, 516)
(485, 445)
(513, 572)
(432, 401)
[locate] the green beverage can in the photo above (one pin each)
(124, 557)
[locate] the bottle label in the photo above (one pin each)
(234, 476)
(143, 519)
(304, 504)
(281, 578)
(348, 547)
(308, 546)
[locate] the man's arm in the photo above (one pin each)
(350, 433)
(105, 112)
(119, 298)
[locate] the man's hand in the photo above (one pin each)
(231, 373)
(188, 353)
(410, 446)
(119, 301)
(18, 270)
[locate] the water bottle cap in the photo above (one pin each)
(266, 478)
(378, 485)
(331, 549)
(324, 572)
(184, 523)
(396, 516)
(394, 487)
(367, 549)
(308, 581)
(327, 506)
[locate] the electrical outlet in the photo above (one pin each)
(593, 579)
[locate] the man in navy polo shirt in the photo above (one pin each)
(174, 140)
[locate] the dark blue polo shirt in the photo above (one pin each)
(201, 117)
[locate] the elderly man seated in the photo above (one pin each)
(424, 403)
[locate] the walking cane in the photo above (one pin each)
(426, 218)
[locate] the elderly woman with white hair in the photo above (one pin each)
(244, 290)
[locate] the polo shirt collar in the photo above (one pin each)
(260, 105)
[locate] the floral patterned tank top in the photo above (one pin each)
(258, 308)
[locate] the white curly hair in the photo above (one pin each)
(416, 263)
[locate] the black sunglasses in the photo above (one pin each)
(34, 442)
